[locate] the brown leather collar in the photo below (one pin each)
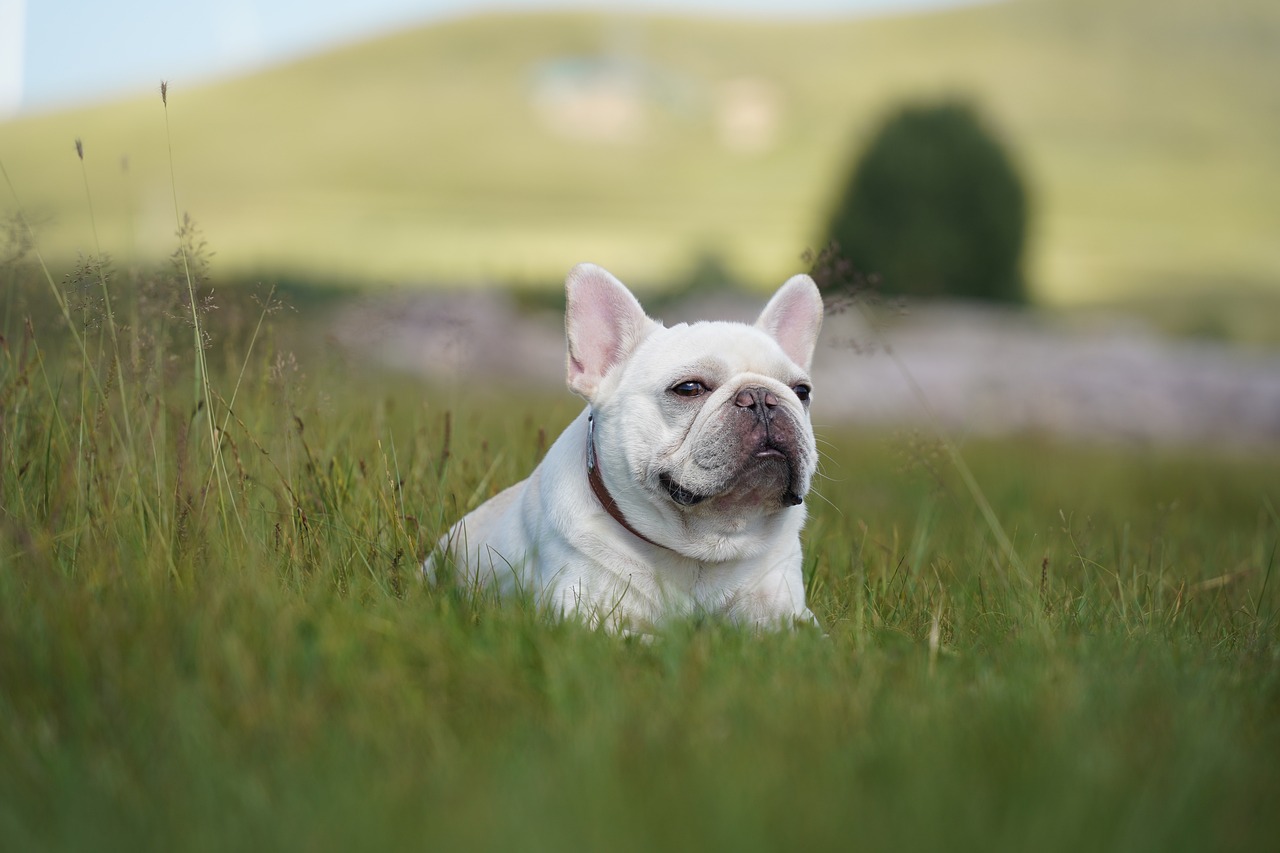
(602, 493)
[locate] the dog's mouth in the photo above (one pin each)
(678, 493)
(789, 496)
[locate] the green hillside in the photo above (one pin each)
(506, 148)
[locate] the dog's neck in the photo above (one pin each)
(601, 492)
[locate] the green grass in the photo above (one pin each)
(212, 636)
(223, 647)
(1147, 131)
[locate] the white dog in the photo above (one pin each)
(680, 489)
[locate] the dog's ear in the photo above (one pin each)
(603, 323)
(793, 318)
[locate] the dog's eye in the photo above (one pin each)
(692, 388)
(803, 391)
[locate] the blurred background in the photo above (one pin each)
(1055, 215)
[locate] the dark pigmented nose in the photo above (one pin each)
(751, 398)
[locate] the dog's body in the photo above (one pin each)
(679, 490)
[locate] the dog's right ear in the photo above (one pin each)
(603, 323)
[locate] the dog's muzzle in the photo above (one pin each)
(765, 435)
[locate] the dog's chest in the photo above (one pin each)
(689, 586)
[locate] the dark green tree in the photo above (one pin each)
(935, 207)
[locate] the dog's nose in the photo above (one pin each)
(754, 397)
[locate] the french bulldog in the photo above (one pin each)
(680, 489)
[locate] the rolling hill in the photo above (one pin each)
(505, 148)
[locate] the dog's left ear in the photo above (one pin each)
(793, 318)
(603, 323)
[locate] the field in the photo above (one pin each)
(211, 634)
(1146, 131)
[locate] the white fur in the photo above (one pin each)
(735, 553)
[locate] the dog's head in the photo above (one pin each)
(704, 426)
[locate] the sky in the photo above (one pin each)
(61, 53)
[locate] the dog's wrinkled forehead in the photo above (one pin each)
(726, 348)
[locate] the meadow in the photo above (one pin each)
(212, 636)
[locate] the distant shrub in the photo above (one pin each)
(935, 207)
